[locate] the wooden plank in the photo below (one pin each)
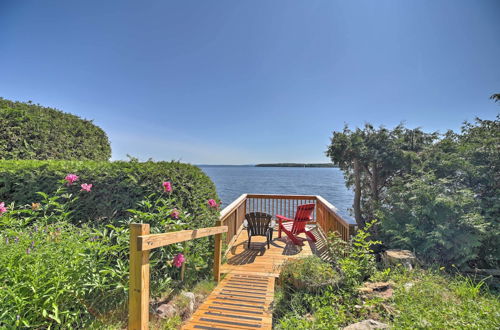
(149, 242)
(228, 309)
(229, 209)
(138, 302)
(217, 252)
(275, 196)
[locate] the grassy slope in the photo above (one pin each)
(422, 299)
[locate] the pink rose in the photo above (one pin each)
(175, 214)
(86, 187)
(3, 209)
(179, 260)
(212, 203)
(167, 186)
(71, 178)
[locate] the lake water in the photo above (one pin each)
(232, 181)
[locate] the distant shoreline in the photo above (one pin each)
(296, 165)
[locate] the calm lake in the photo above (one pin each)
(232, 181)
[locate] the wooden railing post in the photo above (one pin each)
(138, 296)
(217, 253)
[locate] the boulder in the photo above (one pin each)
(399, 257)
(191, 298)
(367, 325)
(166, 311)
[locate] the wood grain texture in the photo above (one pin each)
(138, 301)
(149, 242)
(240, 301)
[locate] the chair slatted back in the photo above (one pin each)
(302, 216)
(258, 223)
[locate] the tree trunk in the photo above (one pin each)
(357, 194)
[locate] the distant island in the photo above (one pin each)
(296, 165)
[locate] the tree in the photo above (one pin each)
(370, 158)
(495, 97)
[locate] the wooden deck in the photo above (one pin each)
(243, 299)
(259, 260)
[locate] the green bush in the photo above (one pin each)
(55, 274)
(354, 259)
(30, 131)
(440, 222)
(117, 186)
(309, 274)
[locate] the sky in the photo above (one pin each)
(246, 82)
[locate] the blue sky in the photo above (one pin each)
(240, 82)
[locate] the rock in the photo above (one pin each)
(191, 298)
(166, 311)
(378, 289)
(367, 325)
(399, 257)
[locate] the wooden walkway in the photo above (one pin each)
(243, 299)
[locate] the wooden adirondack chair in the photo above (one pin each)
(259, 224)
(294, 227)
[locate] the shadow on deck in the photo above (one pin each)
(259, 260)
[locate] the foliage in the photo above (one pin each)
(325, 289)
(61, 275)
(370, 158)
(437, 301)
(309, 274)
(429, 191)
(57, 274)
(354, 259)
(117, 186)
(423, 299)
(434, 218)
(31, 131)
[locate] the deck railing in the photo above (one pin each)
(325, 214)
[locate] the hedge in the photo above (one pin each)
(29, 131)
(117, 186)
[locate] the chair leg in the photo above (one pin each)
(294, 239)
(249, 239)
(311, 236)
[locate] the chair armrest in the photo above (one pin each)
(282, 218)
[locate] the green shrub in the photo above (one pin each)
(309, 274)
(438, 220)
(57, 274)
(52, 275)
(31, 131)
(354, 259)
(117, 186)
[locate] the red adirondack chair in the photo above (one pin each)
(293, 227)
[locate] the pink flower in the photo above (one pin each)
(71, 178)
(3, 209)
(212, 203)
(86, 187)
(179, 260)
(175, 214)
(167, 186)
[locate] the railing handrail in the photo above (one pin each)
(278, 196)
(235, 204)
(153, 241)
(332, 209)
